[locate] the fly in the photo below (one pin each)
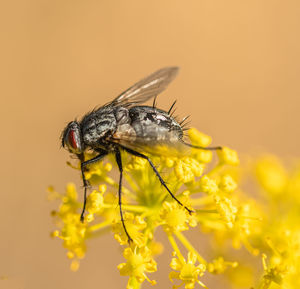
(125, 125)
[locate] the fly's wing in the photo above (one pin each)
(146, 88)
(168, 144)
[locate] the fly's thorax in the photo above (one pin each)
(154, 124)
(98, 125)
(121, 115)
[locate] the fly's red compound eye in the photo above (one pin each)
(72, 139)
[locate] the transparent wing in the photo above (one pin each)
(167, 145)
(146, 88)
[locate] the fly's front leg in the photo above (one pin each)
(135, 153)
(119, 162)
(84, 164)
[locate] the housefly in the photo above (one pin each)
(125, 125)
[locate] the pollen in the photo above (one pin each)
(95, 201)
(228, 184)
(187, 169)
(209, 185)
(136, 164)
(227, 210)
(175, 218)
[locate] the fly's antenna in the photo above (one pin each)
(202, 148)
(172, 108)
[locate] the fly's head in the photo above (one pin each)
(71, 138)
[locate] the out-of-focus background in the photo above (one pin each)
(239, 80)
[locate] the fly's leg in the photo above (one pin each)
(135, 153)
(202, 148)
(85, 182)
(119, 162)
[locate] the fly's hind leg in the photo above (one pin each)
(84, 164)
(119, 162)
(135, 153)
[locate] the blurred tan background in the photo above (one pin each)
(239, 81)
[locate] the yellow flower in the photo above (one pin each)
(226, 210)
(228, 156)
(283, 267)
(97, 172)
(136, 164)
(134, 225)
(156, 248)
(242, 218)
(199, 138)
(167, 161)
(188, 273)
(274, 273)
(95, 200)
(186, 169)
(271, 175)
(227, 184)
(110, 213)
(139, 262)
(69, 201)
(219, 265)
(147, 205)
(175, 218)
(73, 233)
(208, 185)
(203, 156)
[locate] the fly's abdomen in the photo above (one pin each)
(154, 124)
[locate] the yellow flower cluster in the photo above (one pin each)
(275, 235)
(201, 181)
(280, 231)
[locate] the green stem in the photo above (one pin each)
(132, 208)
(189, 247)
(207, 211)
(99, 226)
(175, 247)
(216, 169)
(112, 183)
(135, 208)
(131, 182)
(206, 200)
